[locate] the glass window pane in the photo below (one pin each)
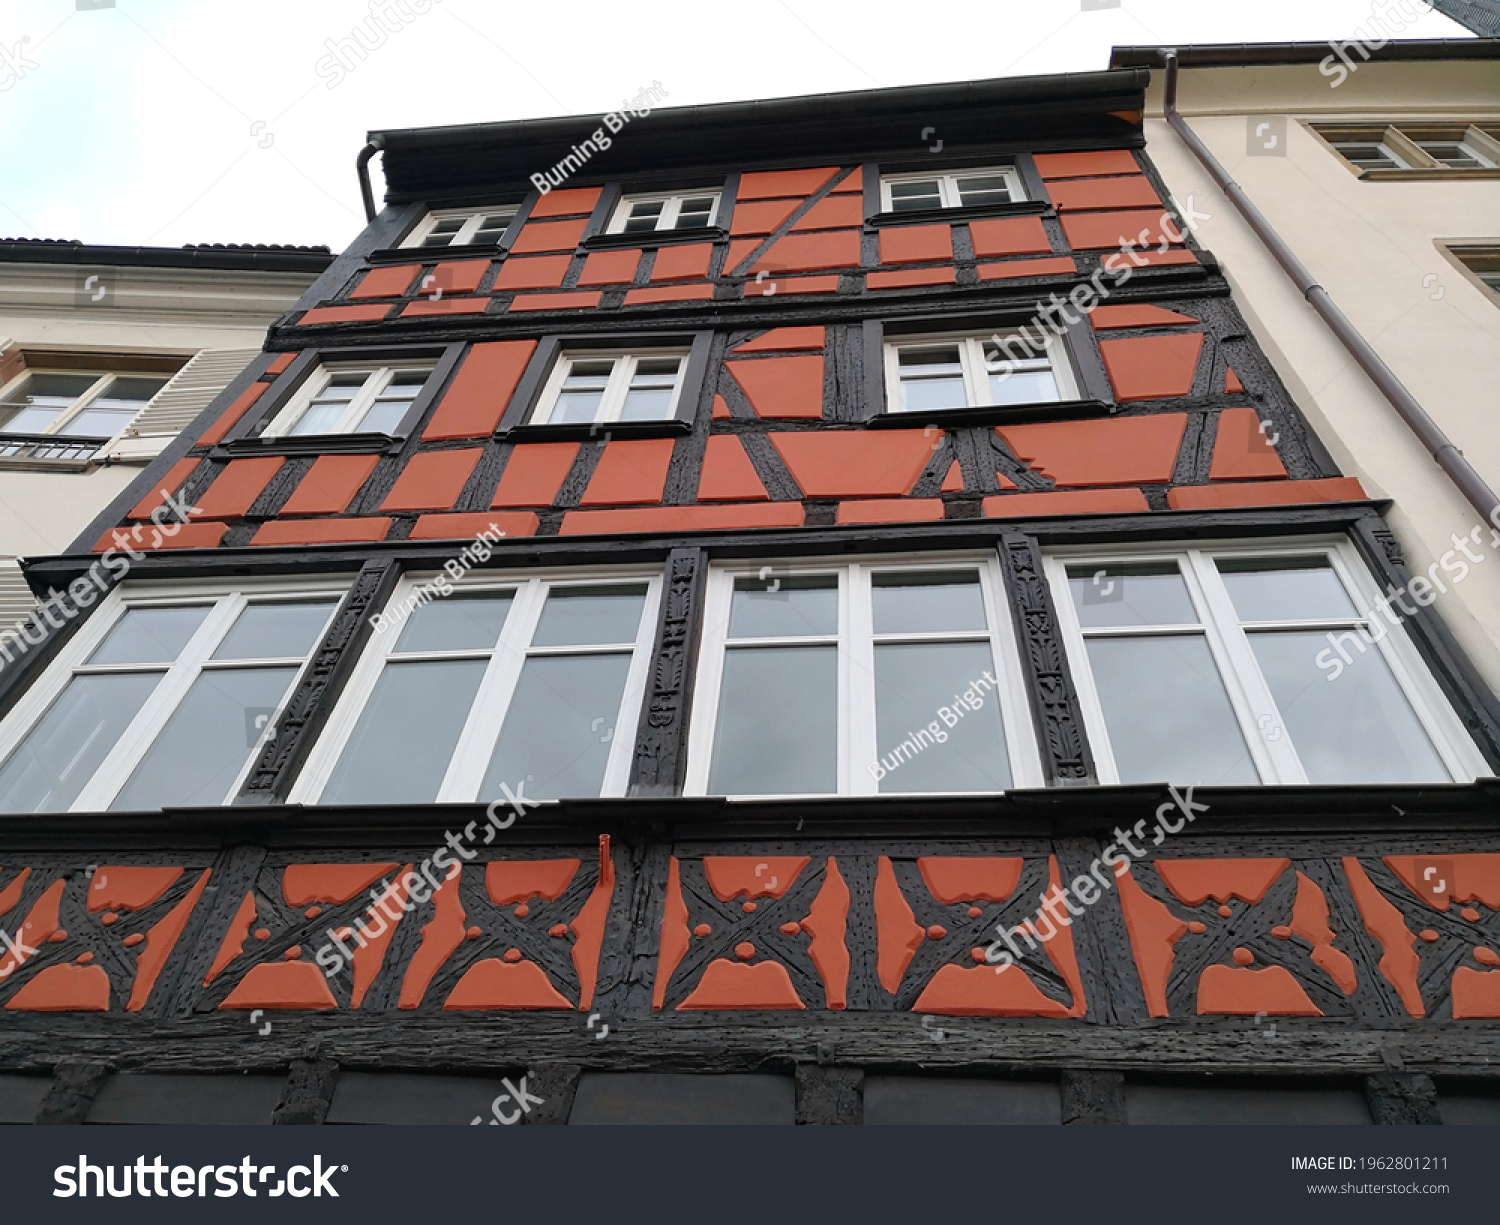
(556, 737)
(932, 395)
(1024, 387)
(917, 194)
(777, 731)
(1149, 594)
(149, 635)
(276, 631)
(1354, 726)
(36, 403)
(320, 418)
(583, 616)
(208, 739)
(128, 391)
(60, 754)
(784, 606)
(96, 422)
(695, 211)
(382, 417)
(1285, 589)
(647, 404)
(460, 622)
(984, 189)
(1168, 716)
(401, 746)
(932, 359)
(927, 602)
(921, 748)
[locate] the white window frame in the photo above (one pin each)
(492, 700)
(102, 383)
(464, 236)
(612, 402)
(976, 369)
(857, 740)
(947, 182)
(1228, 642)
(666, 221)
(377, 380)
(1398, 162)
(177, 679)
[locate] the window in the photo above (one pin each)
(1481, 263)
(1370, 155)
(859, 679)
(909, 193)
(352, 399)
(1250, 664)
(589, 387)
(1415, 149)
(162, 699)
(533, 683)
(73, 404)
(461, 227)
(654, 214)
(936, 374)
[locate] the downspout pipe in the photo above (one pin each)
(362, 168)
(1439, 445)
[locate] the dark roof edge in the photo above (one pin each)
(217, 259)
(1242, 55)
(1072, 85)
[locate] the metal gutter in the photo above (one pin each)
(1439, 445)
(217, 258)
(362, 168)
(1245, 55)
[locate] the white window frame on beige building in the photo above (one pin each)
(1275, 760)
(856, 737)
(102, 382)
(228, 600)
(492, 700)
(1394, 137)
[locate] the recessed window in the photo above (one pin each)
(533, 684)
(654, 214)
(455, 227)
(1482, 262)
(1370, 155)
(859, 680)
(1415, 149)
(352, 399)
(910, 193)
(71, 404)
(605, 387)
(161, 700)
(938, 374)
(1245, 665)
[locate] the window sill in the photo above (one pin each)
(662, 238)
(431, 255)
(1422, 174)
(955, 216)
(308, 444)
(581, 432)
(990, 414)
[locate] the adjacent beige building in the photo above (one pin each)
(1383, 176)
(106, 353)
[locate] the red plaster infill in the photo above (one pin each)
(330, 485)
(1009, 236)
(910, 276)
(890, 510)
(237, 486)
(630, 471)
(571, 201)
(1268, 493)
(610, 268)
(810, 253)
(783, 340)
(667, 519)
(832, 213)
(386, 282)
(1105, 317)
(537, 236)
(1080, 502)
(172, 482)
(761, 217)
(782, 387)
(554, 301)
(1073, 195)
(343, 314)
(1062, 264)
(768, 184)
(432, 480)
(687, 263)
(320, 531)
(1152, 367)
(468, 525)
(1118, 451)
(1084, 165)
(144, 536)
(728, 475)
(232, 414)
(445, 306)
(280, 364)
(532, 272)
(480, 391)
(669, 293)
(1243, 449)
(534, 472)
(854, 464)
(1107, 231)
(915, 244)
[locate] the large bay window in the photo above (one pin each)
(1250, 663)
(162, 699)
(532, 684)
(861, 679)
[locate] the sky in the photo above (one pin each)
(167, 122)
